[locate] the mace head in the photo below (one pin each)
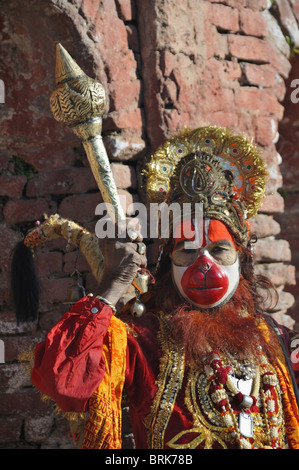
(77, 98)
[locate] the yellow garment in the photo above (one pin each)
(102, 428)
(289, 403)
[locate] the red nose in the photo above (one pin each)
(205, 282)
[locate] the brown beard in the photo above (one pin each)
(227, 329)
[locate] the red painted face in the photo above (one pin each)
(206, 271)
(205, 282)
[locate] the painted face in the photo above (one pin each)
(206, 268)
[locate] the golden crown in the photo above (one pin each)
(212, 166)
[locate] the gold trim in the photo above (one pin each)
(169, 382)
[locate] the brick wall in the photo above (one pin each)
(164, 65)
(288, 148)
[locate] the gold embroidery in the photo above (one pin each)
(169, 382)
(204, 435)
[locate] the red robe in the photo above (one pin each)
(166, 397)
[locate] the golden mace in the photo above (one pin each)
(79, 102)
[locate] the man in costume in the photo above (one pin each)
(204, 366)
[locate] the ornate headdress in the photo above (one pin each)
(212, 166)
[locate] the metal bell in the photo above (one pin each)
(75, 292)
(141, 281)
(138, 309)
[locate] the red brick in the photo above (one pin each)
(217, 45)
(124, 95)
(268, 250)
(279, 88)
(286, 301)
(61, 181)
(14, 345)
(232, 3)
(127, 9)
(10, 429)
(248, 48)
(21, 401)
(260, 75)
(279, 273)
(48, 157)
(257, 4)
(12, 376)
(30, 210)
(4, 158)
(8, 240)
(48, 263)
(288, 20)
(226, 70)
(225, 119)
(272, 204)
(130, 118)
(113, 41)
(80, 207)
(266, 130)
(8, 325)
(124, 176)
(253, 23)
(133, 38)
(54, 290)
(38, 428)
(224, 17)
(71, 258)
(295, 8)
(264, 226)
(254, 99)
(167, 62)
(169, 92)
(279, 61)
(89, 9)
(51, 313)
(12, 186)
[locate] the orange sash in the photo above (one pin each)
(102, 428)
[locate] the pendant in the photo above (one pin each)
(245, 424)
(244, 386)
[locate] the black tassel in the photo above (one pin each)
(25, 285)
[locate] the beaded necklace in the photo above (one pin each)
(264, 381)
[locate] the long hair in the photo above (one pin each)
(25, 284)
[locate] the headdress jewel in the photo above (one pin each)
(212, 166)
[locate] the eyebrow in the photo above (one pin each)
(218, 242)
(223, 242)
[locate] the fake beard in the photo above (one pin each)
(227, 329)
(206, 284)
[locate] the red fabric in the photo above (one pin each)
(143, 354)
(143, 360)
(69, 367)
(68, 364)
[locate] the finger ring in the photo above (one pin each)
(141, 248)
(132, 234)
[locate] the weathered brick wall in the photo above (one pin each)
(164, 65)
